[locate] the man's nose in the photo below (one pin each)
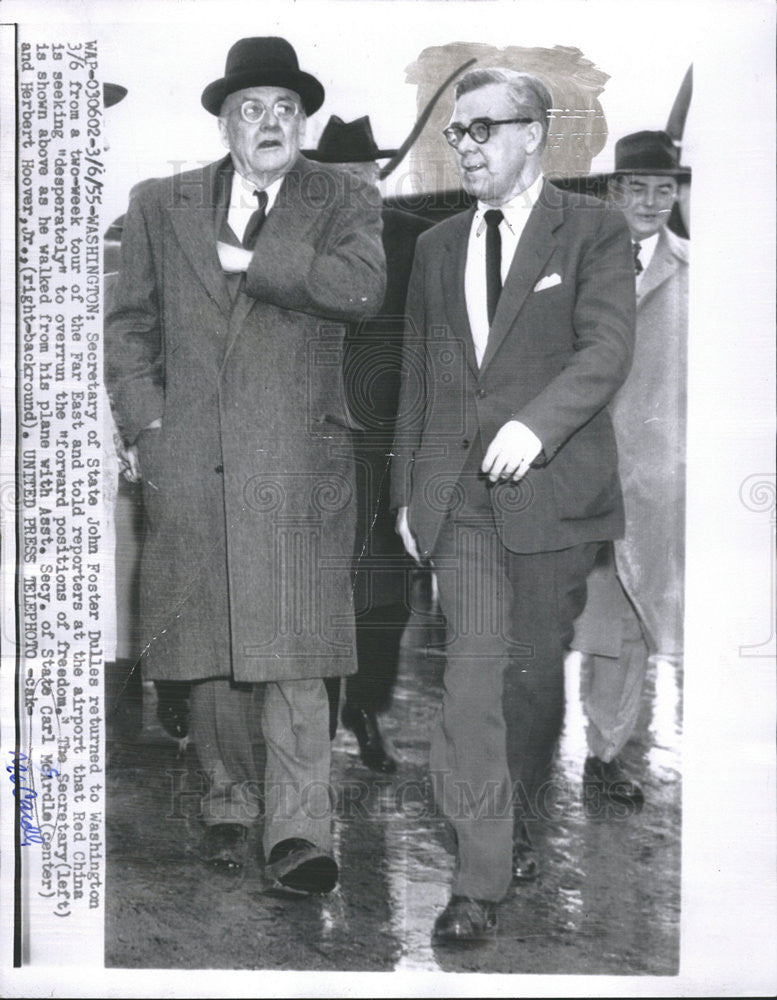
(649, 197)
(270, 121)
(466, 144)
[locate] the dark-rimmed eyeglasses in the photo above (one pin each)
(253, 111)
(479, 129)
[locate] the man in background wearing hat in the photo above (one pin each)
(224, 362)
(635, 594)
(372, 372)
(520, 329)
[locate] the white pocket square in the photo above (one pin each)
(547, 282)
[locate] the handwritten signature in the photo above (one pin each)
(26, 796)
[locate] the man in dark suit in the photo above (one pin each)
(371, 367)
(520, 330)
(224, 363)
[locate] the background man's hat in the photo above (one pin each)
(263, 62)
(648, 153)
(347, 142)
(113, 93)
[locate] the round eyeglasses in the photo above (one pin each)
(283, 109)
(479, 129)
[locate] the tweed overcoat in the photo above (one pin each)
(649, 415)
(249, 484)
(559, 347)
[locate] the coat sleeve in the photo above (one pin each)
(413, 388)
(338, 271)
(134, 364)
(603, 325)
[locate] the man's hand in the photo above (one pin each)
(407, 536)
(511, 452)
(129, 463)
(234, 260)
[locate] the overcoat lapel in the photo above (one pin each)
(661, 267)
(534, 248)
(287, 225)
(195, 223)
(453, 262)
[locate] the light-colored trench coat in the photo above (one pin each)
(649, 416)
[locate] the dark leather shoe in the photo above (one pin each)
(225, 846)
(364, 726)
(299, 865)
(526, 863)
(605, 783)
(465, 919)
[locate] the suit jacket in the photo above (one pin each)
(248, 485)
(649, 415)
(559, 347)
(374, 345)
(372, 379)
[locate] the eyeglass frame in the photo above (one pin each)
(487, 122)
(276, 102)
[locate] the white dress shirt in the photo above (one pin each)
(516, 212)
(243, 203)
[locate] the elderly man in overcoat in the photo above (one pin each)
(224, 363)
(635, 594)
(520, 330)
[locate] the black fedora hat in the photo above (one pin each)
(648, 153)
(347, 142)
(263, 62)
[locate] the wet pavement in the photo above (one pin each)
(607, 901)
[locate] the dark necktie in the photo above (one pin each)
(493, 261)
(638, 268)
(256, 221)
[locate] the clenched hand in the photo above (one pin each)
(233, 260)
(511, 452)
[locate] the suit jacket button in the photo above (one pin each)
(465, 443)
(218, 468)
(481, 393)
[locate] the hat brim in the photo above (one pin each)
(594, 184)
(591, 180)
(680, 171)
(380, 154)
(310, 91)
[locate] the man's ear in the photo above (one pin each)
(533, 137)
(223, 133)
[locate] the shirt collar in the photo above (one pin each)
(242, 197)
(647, 248)
(519, 205)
